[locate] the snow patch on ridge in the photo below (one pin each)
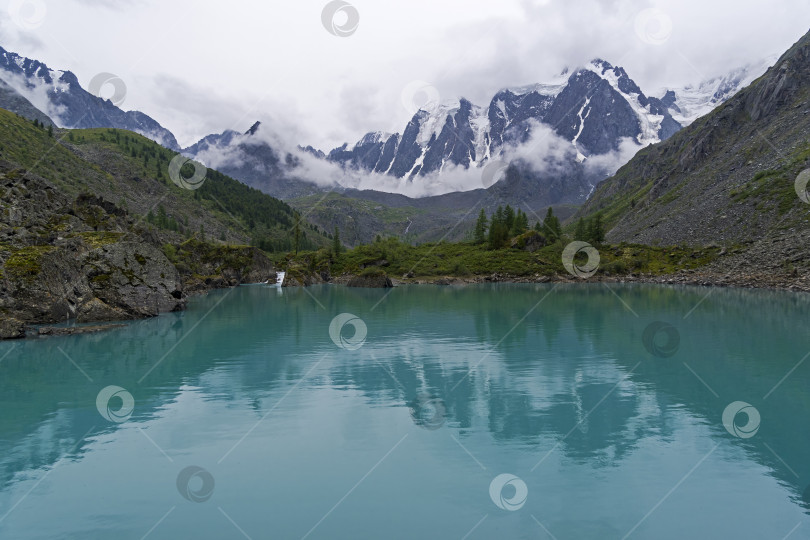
(59, 85)
(502, 107)
(418, 163)
(580, 156)
(432, 121)
(479, 121)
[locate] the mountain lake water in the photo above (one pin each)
(477, 412)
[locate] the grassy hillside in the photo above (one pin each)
(131, 171)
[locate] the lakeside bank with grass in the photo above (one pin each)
(522, 259)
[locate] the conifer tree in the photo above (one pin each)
(551, 226)
(596, 229)
(498, 231)
(336, 247)
(480, 231)
(509, 217)
(581, 232)
(522, 222)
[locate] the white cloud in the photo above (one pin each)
(544, 153)
(255, 59)
(35, 91)
(607, 164)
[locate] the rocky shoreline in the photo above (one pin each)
(691, 278)
(13, 328)
(708, 276)
(72, 330)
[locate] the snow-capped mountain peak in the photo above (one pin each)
(594, 107)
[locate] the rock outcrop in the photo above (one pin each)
(371, 282)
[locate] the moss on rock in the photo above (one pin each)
(26, 263)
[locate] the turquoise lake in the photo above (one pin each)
(478, 412)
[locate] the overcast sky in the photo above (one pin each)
(203, 66)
